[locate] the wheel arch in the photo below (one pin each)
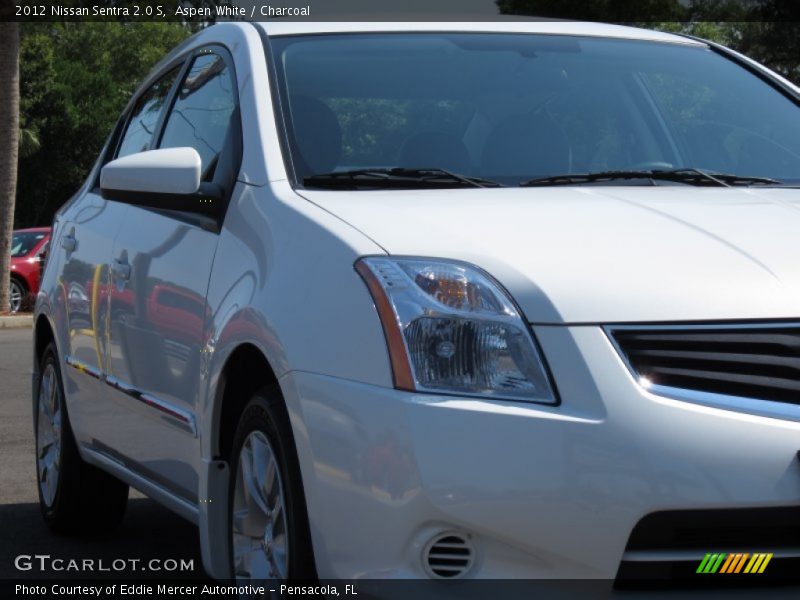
(21, 279)
(43, 334)
(246, 370)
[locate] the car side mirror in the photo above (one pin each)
(168, 178)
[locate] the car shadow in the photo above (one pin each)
(149, 532)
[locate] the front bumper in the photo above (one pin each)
(543, 492)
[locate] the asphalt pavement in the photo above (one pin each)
(149, 532)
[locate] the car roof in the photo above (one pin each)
(33, 230)
(278, 28)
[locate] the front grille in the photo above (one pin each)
(668, 547)
(759, 362)
(722, 529)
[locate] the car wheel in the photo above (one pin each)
(269, 537)
(17, 295)
(74, 496)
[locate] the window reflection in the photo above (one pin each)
(202, 111)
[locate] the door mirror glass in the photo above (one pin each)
(42, 254)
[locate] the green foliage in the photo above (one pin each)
(614, 11)
(773, 43)
(766, 30)
(721, 33)
(29, 143)
(75, 80)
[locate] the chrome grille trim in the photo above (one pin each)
(759, 360)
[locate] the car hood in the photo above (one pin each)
(603, 254)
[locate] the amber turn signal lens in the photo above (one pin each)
(401, 369)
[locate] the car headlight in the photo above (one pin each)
(451, 328)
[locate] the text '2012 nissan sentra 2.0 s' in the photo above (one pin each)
(437, 301)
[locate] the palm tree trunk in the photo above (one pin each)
(9, 146)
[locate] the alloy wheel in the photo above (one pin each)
(259, 524)
(48, 434)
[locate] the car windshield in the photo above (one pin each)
(22, 242)
(510, 108)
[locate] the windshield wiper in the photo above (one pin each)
(395, 177)
(730, 179)
(688, 176)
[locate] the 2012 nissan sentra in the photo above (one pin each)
(434, 300)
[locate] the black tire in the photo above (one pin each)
(266, 413)
(22, 291)
(86, 499)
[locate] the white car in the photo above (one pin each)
(434, 300)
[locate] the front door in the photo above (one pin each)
(161, 263)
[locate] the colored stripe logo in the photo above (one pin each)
(737, 562)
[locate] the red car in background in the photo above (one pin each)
(28, 251)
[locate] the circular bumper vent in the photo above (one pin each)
(448, 555)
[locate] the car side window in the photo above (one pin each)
(144, 119)
(201, 115)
